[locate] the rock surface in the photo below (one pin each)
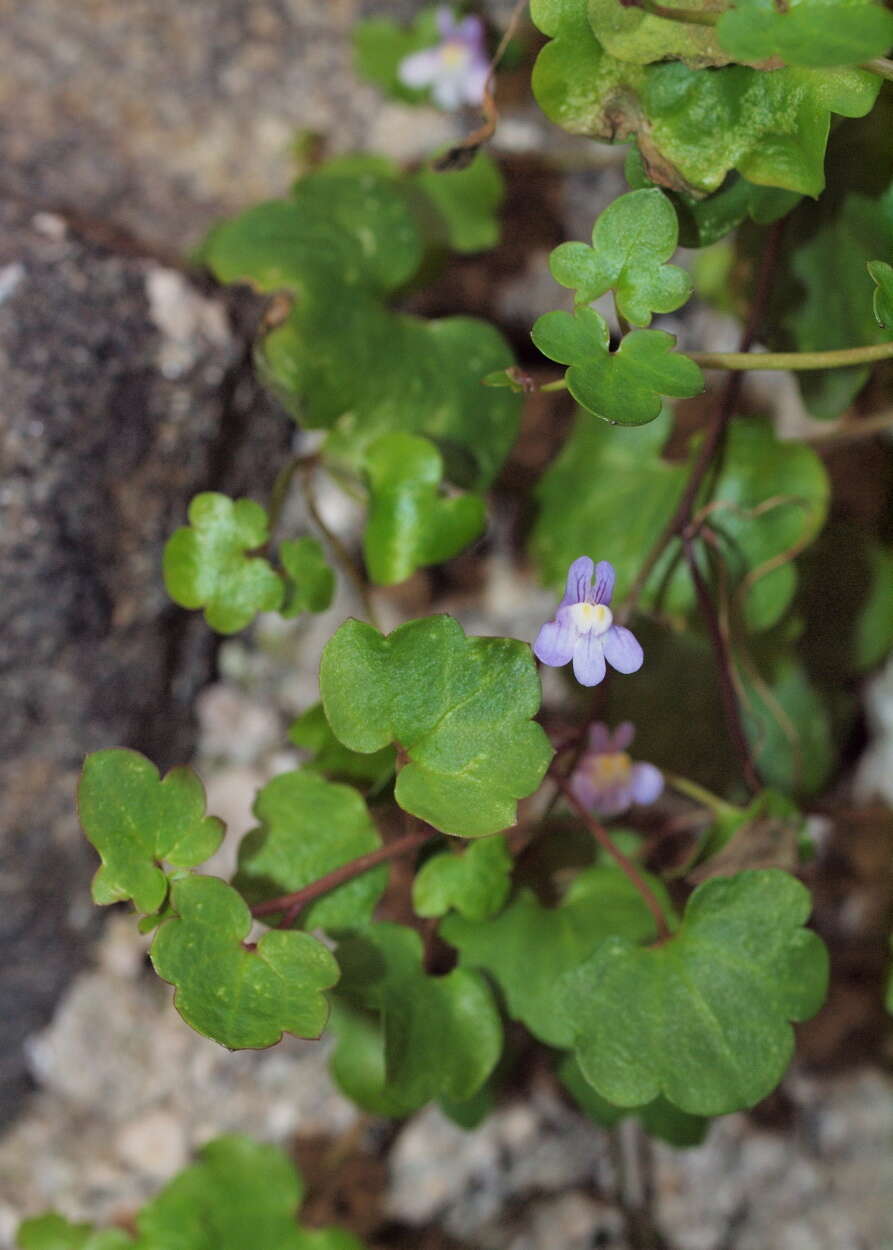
(117, 405)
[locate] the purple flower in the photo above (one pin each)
(606, 780)
(583, 629)
(455, 70)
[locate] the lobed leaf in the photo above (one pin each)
(659, 1118)
(467, 202)
(310, 583)
(770, 127)
(815, 33)
(136, 820)
(458, 707)
(309, 826)
(410, 523)
(631, 241)
(437, 1037)
(206, 564)
(475, 883)
(241, 998)
(528, 948)
(623, 387)
(704, 1018)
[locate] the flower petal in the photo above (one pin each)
(623, 736)
(474, 83)
(579, 578)
(448, 89)
(604, 581)
(589, 660)
(612, 801)
(556, 642)
(599, 741)
(420, 69)
(582, 787)
(646, 783)
(447, 25)
(622, 651)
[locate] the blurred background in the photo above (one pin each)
(126, 130)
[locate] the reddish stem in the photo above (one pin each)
(603, 838)
(293, 904)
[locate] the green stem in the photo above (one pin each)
(880, 65)
(699, 794)
(759, 361)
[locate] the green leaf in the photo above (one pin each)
(410, 523)
(659, 1118)
(380, 44)
(772, 501)
(771, 127)
(634, 35)
(442, 1036)
(631, 240)
(528, 948)
(309, 826)
(476, 883)
(703, 1018)
(311, 582)
(765, 834)
(623, 387)
(312, 732)
(238, 997)
(467, 202)
(206, 565)
(54, 1232)
(459, 708)
(341, 360)
(135, 820)
(818, 33)
(239, 1194)
(882, 274)
(788, 724)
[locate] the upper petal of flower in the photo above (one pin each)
(600, 739)
(623, 734)
(579, 579)
(646, 783)
(556, 641)
(622, 650)
(420, 69)
(589, 660)
(604, 581)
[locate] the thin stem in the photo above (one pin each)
(691, 790)
(340, 552)
(880, 65)
(724, 663)
(293, 904)
(762, 361)
(851, 431)
(283, 481)
(713, 438)
(603, 838)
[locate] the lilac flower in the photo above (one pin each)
(455, 70)
(606, 780)
(583, 629)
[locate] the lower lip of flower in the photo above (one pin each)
(592, 618)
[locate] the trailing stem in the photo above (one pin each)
(293, 904)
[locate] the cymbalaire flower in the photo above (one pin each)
(454, 70)
(606, 780)
(583, 629)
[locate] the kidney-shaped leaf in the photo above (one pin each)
(814, 33)
(308, 827)
(623, 387)
(135, 820)
(458, 707)
(206, 564)
(241, 998)
(704, 1018)
(631, 241)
